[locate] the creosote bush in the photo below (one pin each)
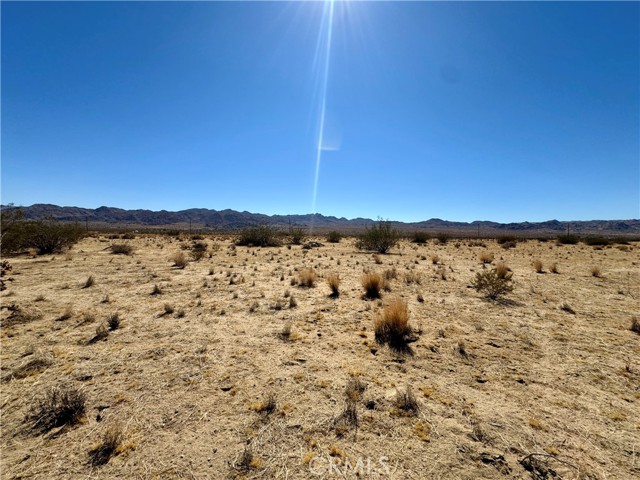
(392, 326)
(261, 236)
(372, 283)
(420, 237)
(45, 236)
(491, 284)
(568, 239)
(59, 406)
(379, 238)
(334, 237)
(297, 235)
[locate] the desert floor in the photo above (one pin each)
(494, 381)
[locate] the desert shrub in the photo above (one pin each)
(101, 453)
(420, 237)
(538, 267)
(179, 260)
(297, 235)
(554, 268)
(390, 274)
(334, 236)
(635, 325)
(392, 325)
(372, 283)
(121, 249)
(501, 239)
(261, 236)
(595, 272)
(379, 238)
(198, 250)
(59, 406)
(508, 245)
(333, 280)
(45, 236)
(595, 241)
(568, 239)
(113, 321)
(10, 219)
(90, 282)
(443, 237)
(307, 278)
(491, 284)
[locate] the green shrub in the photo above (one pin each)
(443, 237)
(595, 241)
(380, 238)
(45, 236)
(297, 235)
(492, 284)
(334, 237)
(261, 236)
(419, 237)
(506, 238)
(568, 239)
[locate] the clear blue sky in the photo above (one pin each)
(463, 111)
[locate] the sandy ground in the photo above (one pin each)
(494, 382)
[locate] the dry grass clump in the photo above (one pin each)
(554, 268)
(486, 257)
(503, 270)
(266, 406)
(89, 282)
(595, 272)
(32, 367)
(435, 259)
(354, 389)
(635, 325)
(156, 290)
(307, 278)
(121, 249)
(101, 453)
(179, 260)
(538, 267)
(412, 277)
(20, 315)
(372, 283)
(392, 326)
(59, 406)
(491, 284)
(390, 274)
(565, 307)
(285, 333)
(406, 401)
(333, 280)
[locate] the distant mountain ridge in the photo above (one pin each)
(232, 220)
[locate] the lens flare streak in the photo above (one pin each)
(328, 13)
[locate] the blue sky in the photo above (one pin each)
(464, 111)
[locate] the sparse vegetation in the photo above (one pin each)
(333, 280)
(334, 237)
(59, 406)
(307, 278)
(179, 260)
(568, 239)
(420, 237)
(538, 267)
(121, 249)
(101, 453)
(392, 326)
(635, 325)
(297, 235)
(380, 238)
(45, 236)
(491, 285)
(596, 272)
(372, 283)
(261, 236)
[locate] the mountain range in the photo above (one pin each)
(232, 220)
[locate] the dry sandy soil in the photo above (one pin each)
(494, 382)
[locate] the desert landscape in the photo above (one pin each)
(192, 357)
